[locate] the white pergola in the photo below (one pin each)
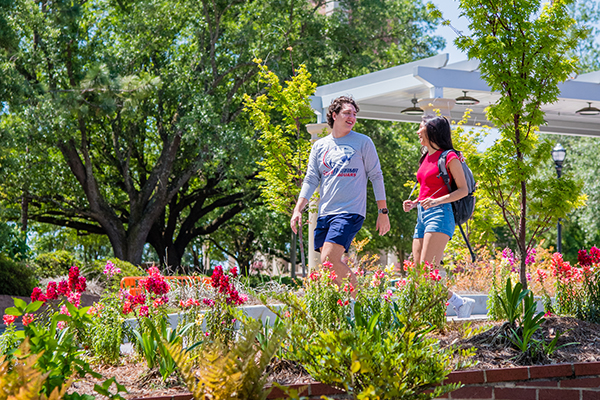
(383, 94)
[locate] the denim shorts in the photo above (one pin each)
(338, 228)
(435, 219)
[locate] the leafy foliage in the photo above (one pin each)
(285, 145)
(16, 278)
(374, 347)
(58, 263)
(22, 380)
(523, 49)
(13, 244)
(229, 373)
(127, 120)
(152, 342)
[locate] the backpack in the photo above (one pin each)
(463, 209)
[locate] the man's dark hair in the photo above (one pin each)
(336, 107)
(438, 133)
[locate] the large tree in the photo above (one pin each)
(123, 118)
(523, 47)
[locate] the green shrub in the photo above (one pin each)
(16, 278)
(57, 263)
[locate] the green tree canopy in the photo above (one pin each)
(123, 118)
(523, 49)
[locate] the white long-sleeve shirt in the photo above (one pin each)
(341, 166)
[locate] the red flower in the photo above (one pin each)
(81, 285)
(63, 288)
(8, 319)
(595, 253)
(27, 319)
(327, 264)
(584, 258)
(51, 293)
(37, 295)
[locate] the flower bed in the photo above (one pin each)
(376, 339)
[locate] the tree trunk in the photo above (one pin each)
(24, 211)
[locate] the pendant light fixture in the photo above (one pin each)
(465, 100)
(414, 110)
(589, 110)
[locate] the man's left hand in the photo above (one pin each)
(383, 224)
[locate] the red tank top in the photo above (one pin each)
(432, 185)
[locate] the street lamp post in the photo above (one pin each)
(558, 155)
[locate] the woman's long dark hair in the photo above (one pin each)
(438, 134)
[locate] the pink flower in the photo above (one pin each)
(540, 275)
(435, 275)
(332, 276)
(584, 258)
(208, 302)
(74, 298)
(144, 311)
(27, 319)
(314, 276)
(60, 325)
(64, 310)
(401, 283)
(110, 270)
(595, 253)
(408, 265)
(9, 319)
(388, 295)
(327, 264)
(80, 285)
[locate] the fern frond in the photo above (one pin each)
(23, 381)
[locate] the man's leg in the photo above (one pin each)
(333, 253)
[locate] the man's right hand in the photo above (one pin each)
(296, 219)
(297, 214)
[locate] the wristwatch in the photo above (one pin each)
(383, 211)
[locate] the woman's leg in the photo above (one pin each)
(432, 251)
(434, 244)
(417, 246)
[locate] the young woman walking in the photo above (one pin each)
(435, 221)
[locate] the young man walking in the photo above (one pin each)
(341, 163)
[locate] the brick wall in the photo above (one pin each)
(580, 381)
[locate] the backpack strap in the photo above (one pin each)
(442, 168)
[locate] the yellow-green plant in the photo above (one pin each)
(229, 373)
(280, 116)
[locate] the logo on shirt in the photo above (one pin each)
(337, 157)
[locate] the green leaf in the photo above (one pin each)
(13, 311)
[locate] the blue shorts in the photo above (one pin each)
(338, 228)
(435, 219)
